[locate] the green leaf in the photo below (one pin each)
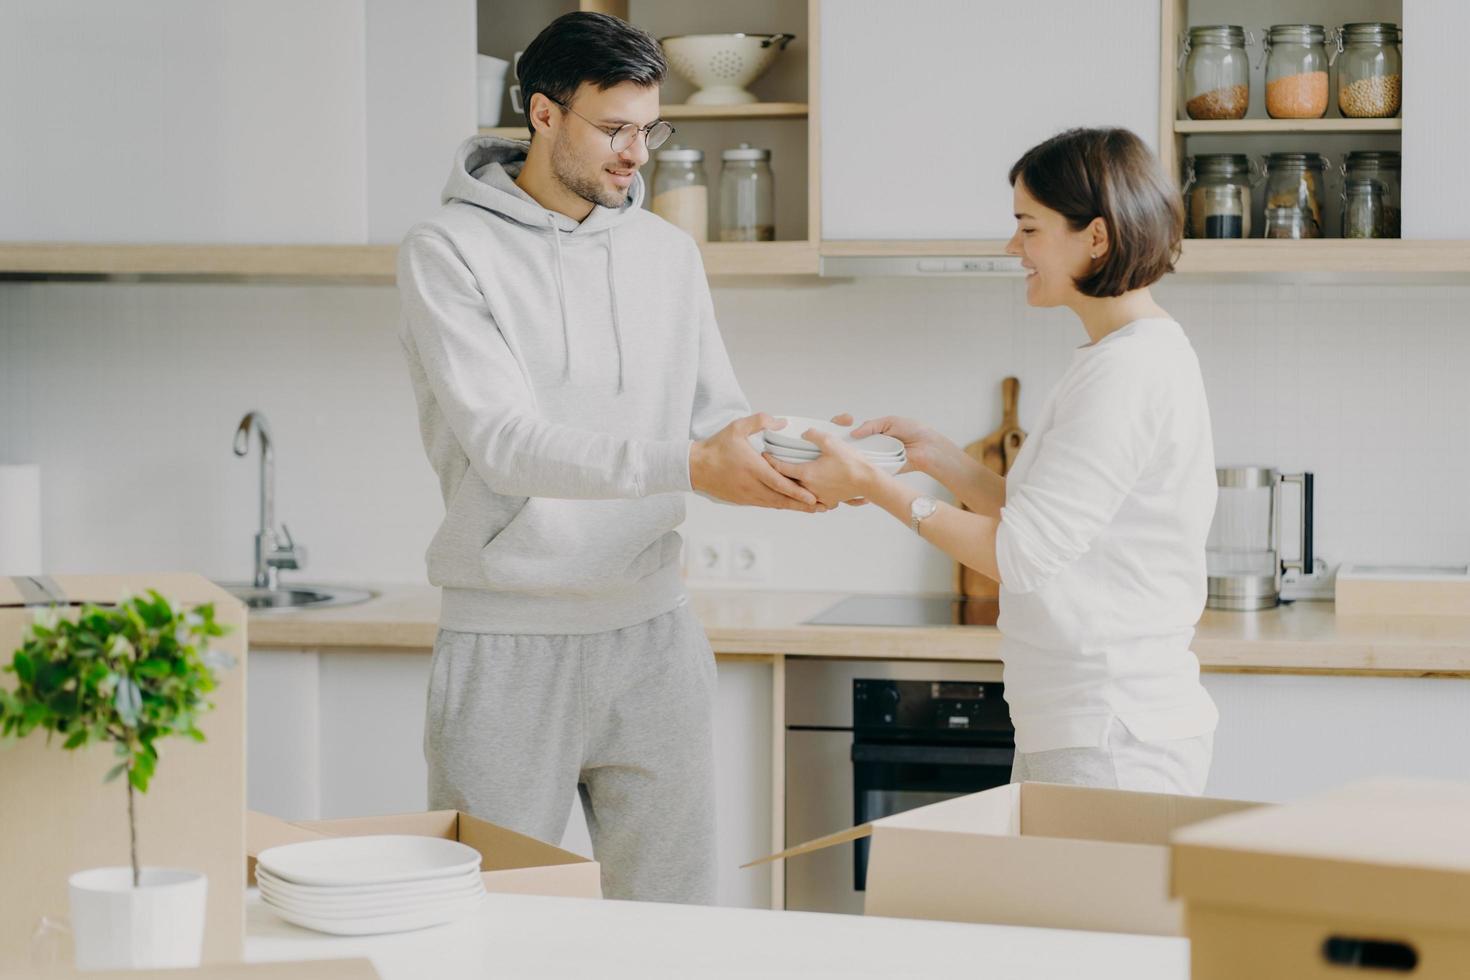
(128, 701)
(115, 772)
(24, 668)
(139, 781)
(76, 738)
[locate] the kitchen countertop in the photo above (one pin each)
(1303, 637)
(530, 936)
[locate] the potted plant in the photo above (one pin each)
(128, 675)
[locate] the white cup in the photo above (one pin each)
(490, 77)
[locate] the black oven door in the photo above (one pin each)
(890, 777)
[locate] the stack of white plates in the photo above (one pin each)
(359, 886)
(884, 452)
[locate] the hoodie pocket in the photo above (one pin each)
(583, 547)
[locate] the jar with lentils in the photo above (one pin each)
(1217, 80)
(1369, 71)
(1296, 71)
(1383, 167)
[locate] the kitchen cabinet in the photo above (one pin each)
(1436, 141)
(927, 104)
(339, 733)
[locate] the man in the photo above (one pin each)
(572, 386)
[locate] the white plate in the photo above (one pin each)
(373, 860)
(322, 900)
(397, 889)
(377, 925)
(790, 436)
(329, 910)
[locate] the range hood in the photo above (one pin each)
(975, 266)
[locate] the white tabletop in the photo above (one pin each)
(523, 936)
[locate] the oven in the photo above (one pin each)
(866, 739)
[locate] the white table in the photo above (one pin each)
(523, 936)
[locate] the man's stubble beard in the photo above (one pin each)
(567, 167)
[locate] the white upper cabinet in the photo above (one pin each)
(1436, 196)
(277, 121)
(926, 104)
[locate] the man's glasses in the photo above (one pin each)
(655, 134)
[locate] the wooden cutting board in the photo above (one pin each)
(998, 452)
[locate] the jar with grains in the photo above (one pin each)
(1362, 208)
(1295, 180)
(747, 195)
(680, 191)
(1296, 71)
(1218, 185)
(1369, 71)
(1216, 72)
(1384, 167)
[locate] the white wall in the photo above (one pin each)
(128, 395)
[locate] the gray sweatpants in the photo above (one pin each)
(518, 723)
(1179, 766)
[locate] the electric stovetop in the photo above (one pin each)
(909, 610)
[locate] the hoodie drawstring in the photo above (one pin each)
(561, 299)
(612, 292)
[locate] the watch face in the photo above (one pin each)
(924, 507)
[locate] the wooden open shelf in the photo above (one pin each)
(1243, 127)
(320, 263)
(673, 113)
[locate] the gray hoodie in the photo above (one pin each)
(561, 370)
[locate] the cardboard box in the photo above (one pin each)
(1376, 874)
(511, 863)
(1030, 854)
(357, 969)
(57, 815)
(1402, 590)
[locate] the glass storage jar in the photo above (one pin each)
(1295, 180)
(1288, 221)
(1218, 186)
(680, 191)
(747, 195)
(1384, 166)
(1369, 71)
(1362, 208)
(1216, 72)
(1296, 71)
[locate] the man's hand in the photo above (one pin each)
(725, 466)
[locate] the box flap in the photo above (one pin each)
(263, 831)
(581, 880)
(1384, 851)
(431, 823)
(40, 591)
(505, 849)
(831, 840)
(1116, 816)
(358, 969)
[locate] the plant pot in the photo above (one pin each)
(158, 924)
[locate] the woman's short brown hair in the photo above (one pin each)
(1110, 174)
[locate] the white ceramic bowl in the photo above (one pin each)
(721, 65)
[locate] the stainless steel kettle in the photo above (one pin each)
(1242, 556)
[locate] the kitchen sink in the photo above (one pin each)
(287, 598)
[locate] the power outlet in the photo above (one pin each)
(707, 557)
(751, 559)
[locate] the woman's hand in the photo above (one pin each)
(923, 447)
(840, 474)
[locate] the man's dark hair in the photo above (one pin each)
(1110, 174)
(587, 47)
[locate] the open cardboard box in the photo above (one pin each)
(1369, 880)
(1030, 854)
(510, 862)
(57, 815)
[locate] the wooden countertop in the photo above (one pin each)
(1304, 637)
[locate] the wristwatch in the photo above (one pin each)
(921, 508)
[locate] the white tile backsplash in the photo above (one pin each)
(128, 395)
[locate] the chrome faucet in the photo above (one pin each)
(270, 554)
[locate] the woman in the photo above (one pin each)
(1097, 536)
